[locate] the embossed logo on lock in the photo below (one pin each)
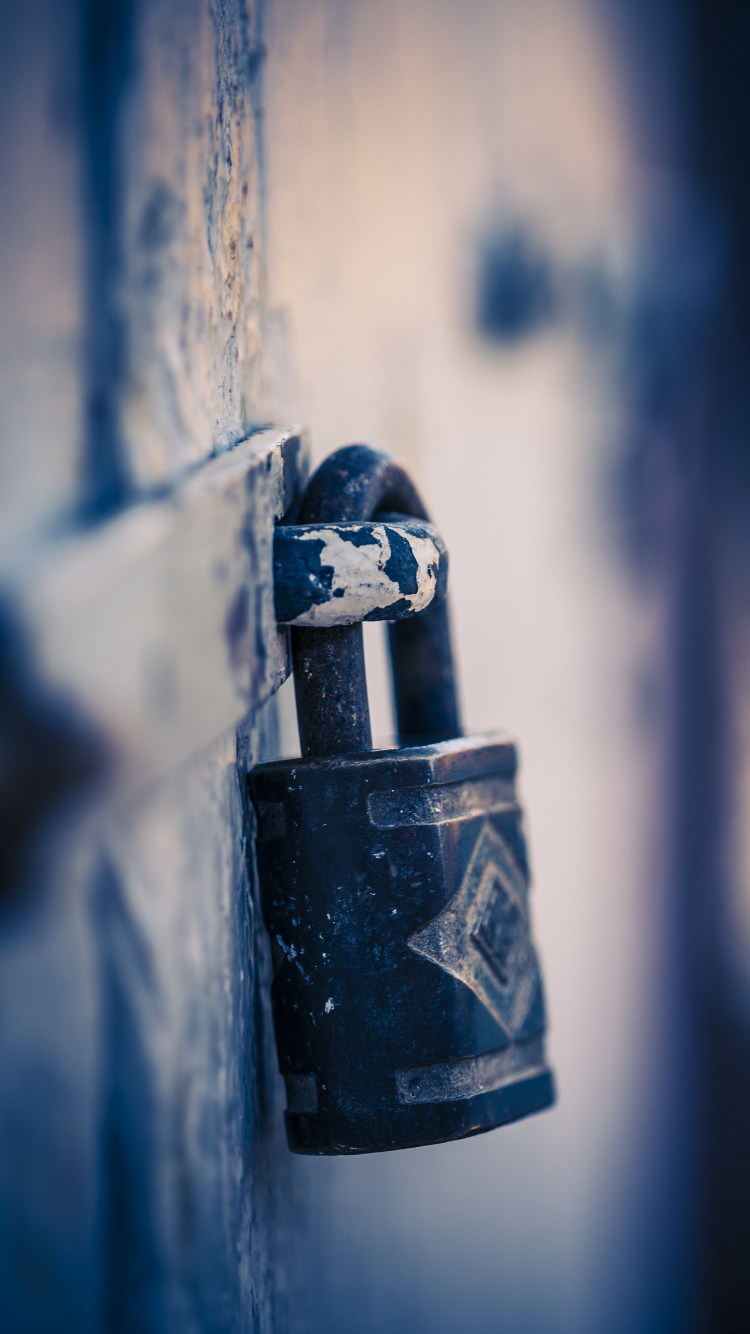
(482, 934)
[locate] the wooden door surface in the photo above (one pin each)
(143, 1181)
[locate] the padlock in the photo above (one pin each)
(407, 997)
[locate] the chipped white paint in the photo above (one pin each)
(330, 1004)
(360, 585)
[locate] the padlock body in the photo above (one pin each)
(408, 1004)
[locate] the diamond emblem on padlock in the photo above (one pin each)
(501, 929)
(482, 934)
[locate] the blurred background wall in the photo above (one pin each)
(507, 241)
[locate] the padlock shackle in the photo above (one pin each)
(356, 483)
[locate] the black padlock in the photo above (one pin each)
(407, 998)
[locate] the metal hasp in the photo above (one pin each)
(408, 1002)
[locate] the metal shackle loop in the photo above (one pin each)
(358, 483)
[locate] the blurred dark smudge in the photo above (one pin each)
(685, 499)
(718, 146)
(50, 757)
(515, 290)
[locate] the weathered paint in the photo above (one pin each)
(159, 625)
(143, 1182)
(328, 574)
(188, 289)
